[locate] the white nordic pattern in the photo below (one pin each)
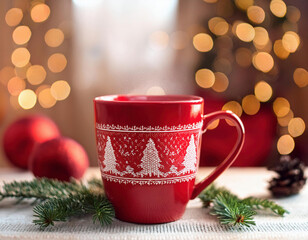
(150, 165)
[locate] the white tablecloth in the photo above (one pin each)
(16, 220)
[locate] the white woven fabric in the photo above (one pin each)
(16, 220)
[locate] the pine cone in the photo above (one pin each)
(291, 177)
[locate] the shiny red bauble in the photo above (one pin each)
(60, 158)
(22, 135)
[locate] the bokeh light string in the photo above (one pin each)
(246, 42)
(26, 83)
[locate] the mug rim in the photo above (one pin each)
(148, 99)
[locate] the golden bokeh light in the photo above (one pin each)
(6, 73)
(46, 99)
(205, 78)
(54, 37)
(41, 88)
(245, 32)
(261, 37)
(300, 77)
(203, 42)
(221, 82)
(290, 41)
(21, 72)
(281, 107)
(293, 14)
(16, 85)
(60, 90)
(36, 74)
(21, 35)
(278, 8)
(159, 39)
(284, 121)
(250, 105)
(57, 62)
(233, 106)
(296, 127)
(263, 91)
(256, 14)
(27, 99)
(210, 1)
(13, 17)
(263, 61)
(20, 57)
(218, 26)
(155, 90)
(213, 125)
(285, 144)
(40, 12)
(243, 57)
(280, 51)
(244, 4)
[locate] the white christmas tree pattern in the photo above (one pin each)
(150, 162)
(190, 159)
(110, 160)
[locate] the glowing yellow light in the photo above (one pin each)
(243, 57)
(296, 127)
(293, 14)
(57, 62)
(36, 74)
(263, 61)
(256, 14)
(15, 86)
(205, 78)
(300, 77)
(234, 107)
(159, 40)
(285, 144)
(250, 105)
(290, 41)
(263, 91)
(54, 37)
(279, 50)
(20, 57)
(261, 37)
(155, 90)
(60, 90)
(179, 40)
(284, 121)
(218, 26)
(281, 107)
(213, 125)
(210, 1)
(21, 35)
(245, 32)
(244, 4)
(21, 72)
(40, 12)
(278, 8)
(41, 88)
(203, 42)
(13, 16)
(46, 99)
(27, 99)
(6, 73)
(221, 82)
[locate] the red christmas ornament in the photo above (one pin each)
(22, 135)
(59, 158)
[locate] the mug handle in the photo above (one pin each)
(207, 119)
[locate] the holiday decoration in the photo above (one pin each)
(190, 159)
(291, 177)
(110, 161)
(58, 201)
(247, 52)
(22, 135)
(60, 158)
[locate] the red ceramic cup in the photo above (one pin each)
(148, 152)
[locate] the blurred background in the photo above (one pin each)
(248, 56)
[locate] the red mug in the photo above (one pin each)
(148, 152)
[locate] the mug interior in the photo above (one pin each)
(149, 98)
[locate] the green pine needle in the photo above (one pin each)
(230, 209)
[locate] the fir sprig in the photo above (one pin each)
(59, 201)
(230, 209)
